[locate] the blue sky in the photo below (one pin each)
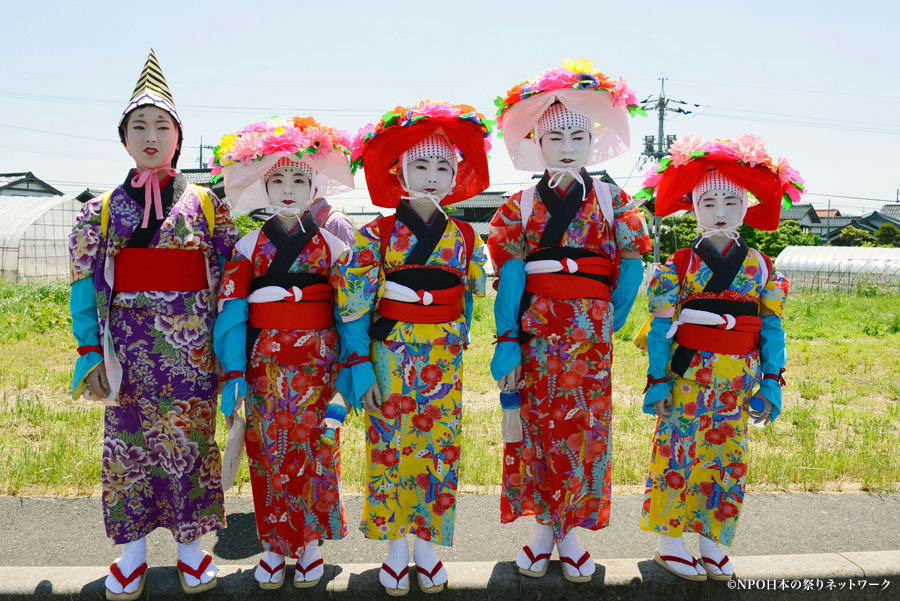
(819, 84)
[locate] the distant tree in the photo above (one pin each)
(853, 236)
(888, 235)
(772, 243)
(675, 233)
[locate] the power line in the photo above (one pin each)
(57, 133)
(779, 89)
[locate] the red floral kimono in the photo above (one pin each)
(290, 377)
(560, 472)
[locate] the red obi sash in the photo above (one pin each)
(314, 312)
(446, 306)
(590, 280)
(740, 340)
(168, 269)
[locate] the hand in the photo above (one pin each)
(98, 384)
(513, 380)
(763, 418)
(663, 407)
(229, 419)
(371, 399)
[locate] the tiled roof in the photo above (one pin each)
(8, 178)
(485, 200)
(482, 228)
(798, 212)
(361, 218)
(891, 211)
(198, 176)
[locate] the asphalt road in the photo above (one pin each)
(69, 532)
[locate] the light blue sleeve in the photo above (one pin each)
(230, 345)
(83, 306)
(508, 354)
(352, 382)
(773, 358)
(631, 274)
(659, 349)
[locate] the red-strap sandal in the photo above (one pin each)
(272, 585)
(534, 559)
(722, 577)
(663, 559)
(577, 565)
(435, 588)
(301, 570)
(396, 592)
(184, 568)
(117, 574)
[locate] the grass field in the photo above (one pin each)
(839, 429)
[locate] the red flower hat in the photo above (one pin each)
(377, 148)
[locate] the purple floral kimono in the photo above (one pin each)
(161, 465)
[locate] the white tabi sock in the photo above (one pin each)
(572, 548)
(709, 548)
(192, 554)
(541, 542)
(133, 555)
(674, 545)
(310, 555)
(273, 560)
(423, 555)
(397, 559)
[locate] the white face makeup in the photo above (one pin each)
(289, 188)
(566, 147)
(151, 136)
(718, 209)
(431, 175)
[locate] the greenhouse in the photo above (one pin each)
(34, 237)
(842, 268)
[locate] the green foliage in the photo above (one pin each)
(246, 224)
(772, 243)
(853, 236)
(675, 233)
(27, 309)
(887, 235)
(679, 232)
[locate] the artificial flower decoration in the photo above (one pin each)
(607, 103)
(243, 158)
(745, 161)
(298, 136)
(377, 148)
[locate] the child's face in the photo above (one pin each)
(288, 187)
(151, 136)
(719, 209)
(432, 175)
(566, 147)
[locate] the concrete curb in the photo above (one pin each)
(827, 576)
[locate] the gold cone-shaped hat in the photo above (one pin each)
(152, 81)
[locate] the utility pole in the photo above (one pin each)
(660, 104)
(208, 147)
(828, 227)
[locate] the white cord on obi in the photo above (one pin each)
(405, 294)
(701, 318)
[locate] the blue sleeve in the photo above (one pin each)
(773, 358)
(469, 309)
(508, 354)
(83, 306)
(352, 382)
(631, 274)
(230, 345)
(658, 350)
